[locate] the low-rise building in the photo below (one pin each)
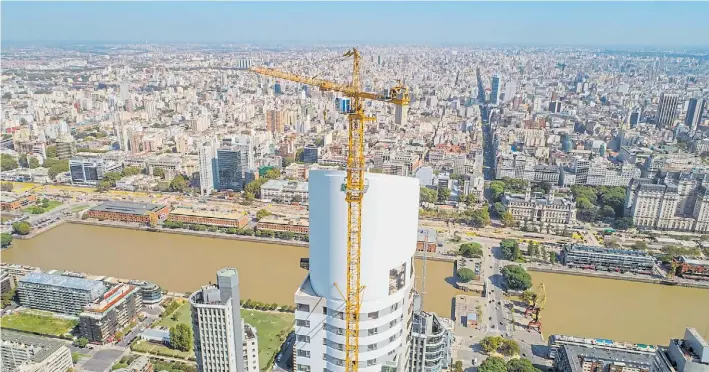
(58, 293)
(10, 201)
(575, 354)
(101, 320)
(27, 353)
(690, 354)
(123, 211)
(536, 209)
(429, 237)
(137, 182)
(234, 219)
(285, 191)
(693, 268)
(297, 225)
(150, 293)
(600, 258)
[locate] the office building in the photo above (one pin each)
(58, 293)
(389, 219)
(576, 354)
(88, 171)
(66, 148)
(695, 108)
(219, 329)
(207, 167)
(311, 154)
(285, 191)
(230, 175)
(101, 320)
(608, 259)
(689, 354)
(537, 209)
(555, 106)
(123, 211)
(679, 201)
(495, 89)
(667, 109)
(431, 340)
(22, 352)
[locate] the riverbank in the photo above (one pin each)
(614, 276)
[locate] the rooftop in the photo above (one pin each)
(43, 347)
(694, 261)
(181, 211)
(285, 184)
(62, 281)
(576, 352)
(127, 207)
(296, 221)
(597, 249)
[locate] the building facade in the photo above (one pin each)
(58, 293)
(285, 191)
(122, 211)
(536, 209)
(101, 320)
(26, 353)
(431, 340)
(296, 225)
(219, 329)
(212, 218)
(387, 304)
(600, 258)
(689, 354)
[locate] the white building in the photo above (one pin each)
(389, 219)
(285, 191)
(207, 156)
(26, 353)
(218, 327)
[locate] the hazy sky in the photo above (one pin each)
(567, 23)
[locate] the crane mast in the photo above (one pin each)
(354, 186)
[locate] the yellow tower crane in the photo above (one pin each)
(355, 185)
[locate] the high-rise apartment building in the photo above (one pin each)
(274, 121)
(101, 320)
(219, 329)
(207, 167)
(58, 293)
(401, 114)
(695, 108)
(495, 89)
(431, 340)
(667, 109)
(389, 219)
(22, 352)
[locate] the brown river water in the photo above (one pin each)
(182, 263)
(581, 306)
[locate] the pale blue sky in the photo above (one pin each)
(474, 23)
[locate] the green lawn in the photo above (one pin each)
(149, 347)
(46, 325)
(272, 328)
(38, 209)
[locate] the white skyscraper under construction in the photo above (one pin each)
(389, 233)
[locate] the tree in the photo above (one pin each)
(498, 209)
(469, 199)
(51, 151)
(103, 185)
(181, 337)
(7, 186)
(249, 197)
(262, 213)
(21, 228)
(510, 249)
(471, 250)
(6, 298)
(639, 246)
(56, 167)
(623, 223)
(272, 174)
(159, 172)
(131, 171)
(480, 217)
(497, 188)
(7, 162)
(552, 258)
(607, 211)
(5, 239)
(490, 343)
(508, 347)
(428, 195)
(178, 184)
(82, 342)
(532, 249)
(516, 277)
(22, 161)
(493, 364)
(521, 365)
(458, 366)
(508, 220)
(33, 163)
(443, 194)
(544, 253)
(465, 275)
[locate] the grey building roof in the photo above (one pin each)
(46, 346)
(596, 249)
(62, 281)
(573, 352)
(127, 207)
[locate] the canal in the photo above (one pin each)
(621, 310)
(182, 263)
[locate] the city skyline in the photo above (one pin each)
(629, 24)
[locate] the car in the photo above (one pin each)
(501, 323)
(492, 326)
(499, 302)
(490, 318)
